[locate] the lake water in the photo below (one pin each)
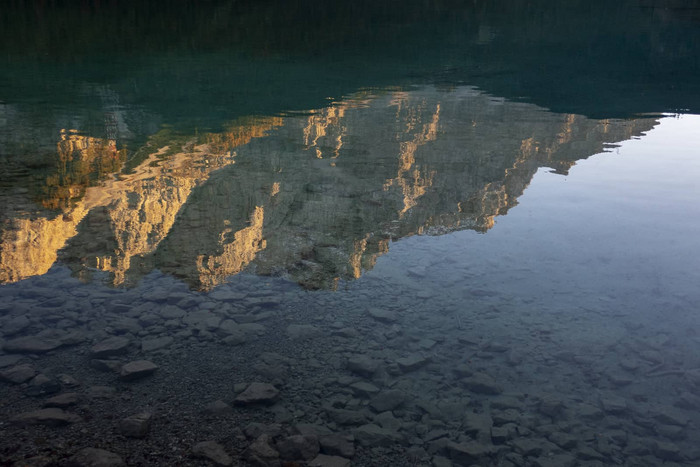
(329, 234)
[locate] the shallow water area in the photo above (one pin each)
(240, 250)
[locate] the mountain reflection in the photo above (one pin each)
(315, 197)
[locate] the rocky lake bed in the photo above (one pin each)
(261, 372)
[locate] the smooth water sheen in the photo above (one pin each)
(362, 234)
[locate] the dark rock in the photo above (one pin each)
(668, 451)
(298, 447)
(9, 360)
(101, 392)
(347, 417)
(469, 452)
(482, 383)
(18, 374)
(31, 344)
(302, 331)
(255, 430)
(108, 366)
(363, 388)
(212, 451)
(412, 362)
(338, 445)
(363, 365)
(388, 400)
(261, 452)
(137, 370)
(50, 417)
(63, 400)
(42, 385)
(15, 325)
(150, 345)
(323, 460)
(384, 316)
(372, 435)
(218, 407)
(136, 426)
(257, 393)
(528, 446)
(110, 347)
(92, 457)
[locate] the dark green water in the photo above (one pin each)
(443, 233)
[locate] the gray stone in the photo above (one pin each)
(469, 452)
(613, 404)
(31, 344)
(302, 331)
(323, 460)
(440, 461)
(9, 360)
(298, 447)
(364, 388)
(261, 452)
(136, 426)
(218, 407)
(63, 400)
(255, 429)
(668, 451)
(108, 366)
(412, 362)
(51, 417)
(149, 345)
(363, 365)
(257, 393)
(388, 421)
(481, 383)
(18, 374)
(15, 325)
(388, 400)
(528, 446)
(337, 445)
(382, 315)
(213, 451)
(310, 429)
(347, 417)
(478, 425)
(110, 347)
(101, 392)
(373, 435)
(93, 457)
(137, 370)
(42, 385)
(500, 435)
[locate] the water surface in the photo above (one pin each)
(441, 234)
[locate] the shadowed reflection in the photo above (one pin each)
(314, 197)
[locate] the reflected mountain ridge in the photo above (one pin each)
(316, 198)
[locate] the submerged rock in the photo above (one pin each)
(213, 451)
(51, 417)
(323, 460)
(298, 447)
(136, 426)
(137, 370)
(93, 457)
(63, 400)
(257, 393)
(18, 374)
(110, 347)
(31, 344)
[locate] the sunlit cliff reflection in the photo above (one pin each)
(315, 198)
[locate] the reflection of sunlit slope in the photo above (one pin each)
(320, 198)
(126, 217)
(29, 246)
(338, 185)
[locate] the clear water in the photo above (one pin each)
(446, 234)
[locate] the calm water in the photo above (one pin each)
(424, 234)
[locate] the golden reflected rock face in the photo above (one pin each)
(313, 198)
